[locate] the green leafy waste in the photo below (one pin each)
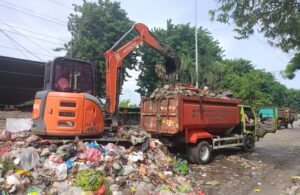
(181, 167)
(90, 180)
(184, 188)
(6, 165)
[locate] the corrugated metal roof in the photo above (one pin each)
(19, 79)
(20, 59)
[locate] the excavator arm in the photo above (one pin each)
(114, 61)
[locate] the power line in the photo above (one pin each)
(61, 4)
(10, 48)
(38, 33)
(23, 35)
(32, 11)
(42, 48)
(20, 45)
(277, 56)
(18, 49)
(36, 16)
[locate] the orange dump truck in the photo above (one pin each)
(202, 124)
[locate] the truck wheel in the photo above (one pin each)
(191, 154)
(248, 143)
(204, 152)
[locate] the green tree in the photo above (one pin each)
(248, 88)
(256, 87)
(280, 94)
(237, 66)
(127, 103)
(180, 39)
(293, 96)
(279, 21)
(95, 27)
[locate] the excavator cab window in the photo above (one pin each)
(47, 84)
(71, 75)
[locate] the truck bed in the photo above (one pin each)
(174, 114)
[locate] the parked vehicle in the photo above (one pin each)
(266, 113)
(203, 124)
(286, 116)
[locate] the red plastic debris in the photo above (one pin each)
(4, 150)
(93, 155)
(101, 190)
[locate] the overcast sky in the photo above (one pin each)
(32, 29)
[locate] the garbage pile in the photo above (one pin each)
(180, 89)
(32, 165)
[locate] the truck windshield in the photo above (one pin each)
(73, 76)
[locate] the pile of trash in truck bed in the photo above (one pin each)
(187, 90)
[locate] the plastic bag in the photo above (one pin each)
(144, 188)
(13, 179)
(69, 163)
(111, 148)
(18, 124)
(28, 157)
(61, 172)
(93, 155)
(5, 136)
(65, 189)
(95, 145)
(136, 156)
(32, 138)
(55, 158)
(52, 148)
(101, 190)
(72, 190)
(127, 169)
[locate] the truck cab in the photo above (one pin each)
(266, 121)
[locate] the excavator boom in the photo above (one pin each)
(114, 61)
(68, 106)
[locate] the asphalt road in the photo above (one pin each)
(281, 153)
(268, 170)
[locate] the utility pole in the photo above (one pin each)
(196, 46)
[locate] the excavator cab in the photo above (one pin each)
(69, 75)
(67, 105)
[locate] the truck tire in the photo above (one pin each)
(204, 152)
(191, 154)
(248, 143)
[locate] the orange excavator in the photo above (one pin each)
(68, 105)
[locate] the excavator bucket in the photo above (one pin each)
(172, 65)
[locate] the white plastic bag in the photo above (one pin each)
(18, 124)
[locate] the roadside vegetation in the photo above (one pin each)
(96, 26)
